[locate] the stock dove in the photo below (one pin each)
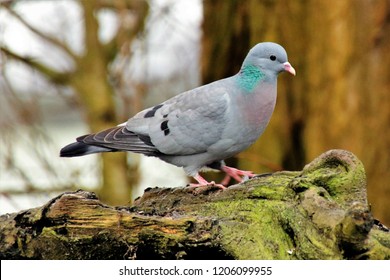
(201, 127)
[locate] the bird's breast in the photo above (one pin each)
(255, 110)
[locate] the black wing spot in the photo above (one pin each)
(146, 139)
(152, 111)
(164, 127)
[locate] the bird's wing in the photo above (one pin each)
(186, 124)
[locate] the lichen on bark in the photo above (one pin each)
(320, 212)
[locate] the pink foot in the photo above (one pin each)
(236, 174)
(203, 182)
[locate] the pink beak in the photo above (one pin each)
(289, 68)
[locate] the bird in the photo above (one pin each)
(200, 128)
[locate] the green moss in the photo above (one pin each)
(273, 188)
(341, 174)
(247, 222)
(259, 223)
(312, 244)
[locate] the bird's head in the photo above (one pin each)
(269, 58)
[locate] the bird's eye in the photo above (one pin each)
(272, 57)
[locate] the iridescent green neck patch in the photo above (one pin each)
(249, 77)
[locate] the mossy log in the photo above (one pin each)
(320, 212)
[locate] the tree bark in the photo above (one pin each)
(320, 212)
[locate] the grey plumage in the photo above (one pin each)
(203, 126)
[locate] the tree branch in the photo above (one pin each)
(318, 213)
(59, 78)
(61, 45)
(128, 4)
(129, 28)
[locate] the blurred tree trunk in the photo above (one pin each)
(340, 96)
(97, 97)
(90, 81)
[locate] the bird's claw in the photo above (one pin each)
(236, 174)
(208, 184)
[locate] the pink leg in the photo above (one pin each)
(236, 173)
(225, 181)
(203, 182)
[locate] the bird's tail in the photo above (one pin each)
(78, 149)
(111, 140)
